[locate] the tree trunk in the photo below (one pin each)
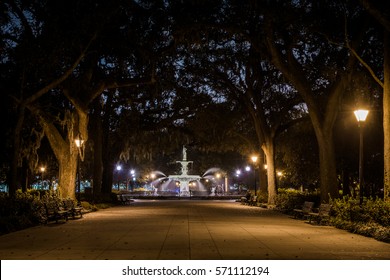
(13, 183)
(107, 178)
(386, 116)
(263, 185)
(64, 148)
(269, 150)
(67, 164)
(328, 174)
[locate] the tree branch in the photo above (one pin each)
(365, 65)
(59, 80)
(376, 13)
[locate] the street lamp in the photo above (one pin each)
(42, 169)
(118, 169)
(279, 175)
(361, 116)
(254, 161)
(79, 144)
(132, 173)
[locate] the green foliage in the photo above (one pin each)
(372, 218)
(103, 205)
(27, 209)
(22, 211)
(371, 211)
(289, 199)
(88, 206)
(95, 207)
(262, 196)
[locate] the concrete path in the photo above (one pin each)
(188, 229)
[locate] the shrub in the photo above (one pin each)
(372, 218)
(22, 211)
(262, 196)
(88, 206)
(371, 211)
(289, 199)
(379, 211)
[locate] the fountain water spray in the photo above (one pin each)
(182, 181)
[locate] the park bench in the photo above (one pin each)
(54, 212)
(73, 209)
(307, 207)
(322, 214)
(125, 199)
(253, 201)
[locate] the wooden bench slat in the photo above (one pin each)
(322, 214)
(307, 207)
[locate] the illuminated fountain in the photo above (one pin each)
(184, 183)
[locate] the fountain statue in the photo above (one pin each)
(184, 182)
(184, 179)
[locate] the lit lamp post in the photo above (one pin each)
(247, 169)
(361, 116)
(42, 169)
(118, 169)
(132, 173)
(238, 173)
(279, 174)
(79, 144)
(254, 161)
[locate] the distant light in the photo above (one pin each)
(118, 167)
(279, 173)
(265, 166)
(247, 168)
(78, 142)
(238, 172)
(254, 159)
(132, 172)
(42, 169)
(361, 115)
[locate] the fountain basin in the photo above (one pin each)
(184, 182)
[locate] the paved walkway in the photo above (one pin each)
(188, 229)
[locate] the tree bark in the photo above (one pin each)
(67, 163)
(263, 184)
(322, 119)
(328, 172)
(64, 148)
(266, 138)
(269, 150)
(13, 184)
(386, 116)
